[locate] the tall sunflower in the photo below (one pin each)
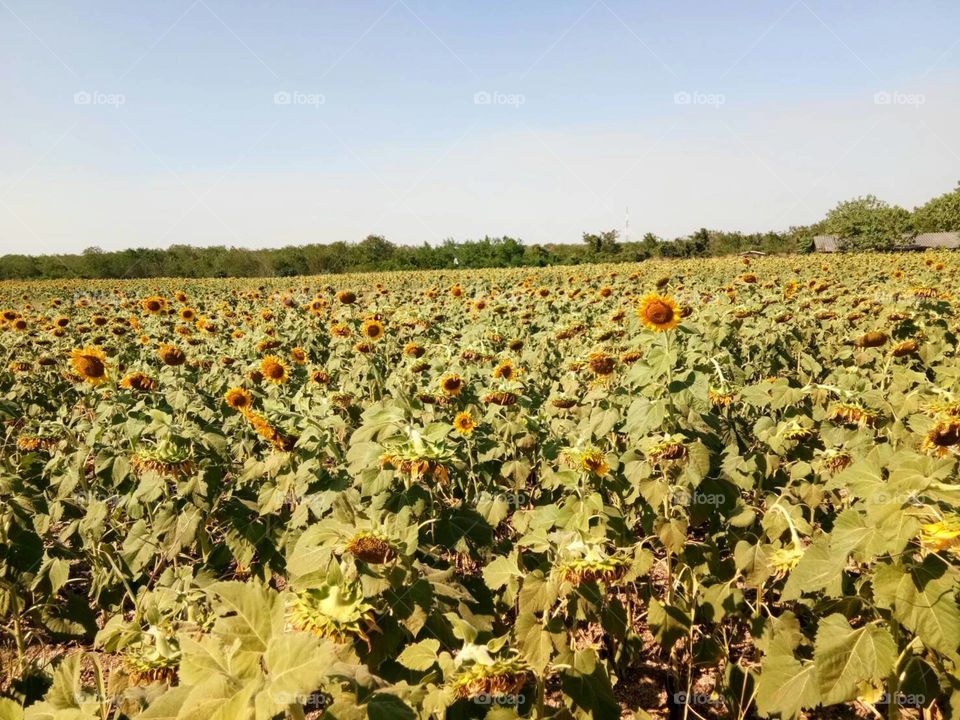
(274, 369)
(372, 329)
(659, 312)
(90, 363)
(451, 384)
(238, 399)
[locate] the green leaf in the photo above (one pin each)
(499, 572)
(922, 599)
(420, 656)
(533, 641)
(786, 686)
(820, 568)
(845, 657)
(250, 613)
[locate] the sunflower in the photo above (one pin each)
(19, 324)
(187, 314)
(154, 304)
(942, 438)
(451, 384)
(907, 347)
(871, 339)
(336, 611)
(505, 370)
(139, 382)
(274, 369)
(719, 398)
(411, 349)
(90, 364)
(298, 355)
(491, 681)
(238, 398)
(593, 461)
(346, 297)
(171, 355)
(658, 312)
(601, 364)
(853, 414)
(372, 328)
(370, 547)
(463, 423)
(941, 535)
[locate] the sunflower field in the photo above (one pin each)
(717, 488)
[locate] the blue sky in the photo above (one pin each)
(262, 124)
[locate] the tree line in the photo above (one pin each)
(864, 223)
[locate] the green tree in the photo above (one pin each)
(868, 223)
(941, 214)
(604, 242)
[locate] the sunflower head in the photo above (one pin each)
(298, 355)
(505, 370)
(854, 414)
(139, 382)
(463, 423)
(659, 312)
(90, 363)
(347, 297)
(493, 679)
(274, 370)
(944, 437)
(372, 329)
(601, 364)
(154, 304)
(371, 547)
(238, 398)
(907, 347)
(171, 355)
(334, 610)
(941, 535)
(451, 384)
(871, 339)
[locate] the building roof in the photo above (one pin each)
(949, 240)
(825, 243)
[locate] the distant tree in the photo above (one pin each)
(941, 214)
(650, 245)
(376, 250)
(868, 223)
(604, 242)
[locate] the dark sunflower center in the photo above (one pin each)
(153, 305)
(947, 437)
(659, 312)
(90, 366)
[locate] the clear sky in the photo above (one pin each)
(270, 123)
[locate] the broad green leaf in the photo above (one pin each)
(845, 657)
